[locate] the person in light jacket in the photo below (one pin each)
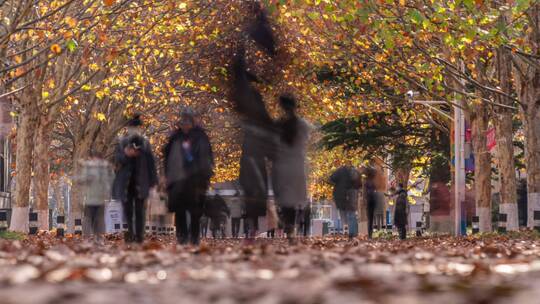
(96, 180)
(289, 177)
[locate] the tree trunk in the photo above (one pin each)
(25, 145)
(58, 195)
(482, 168)
(528, 90)
(41, 172)
(531, 127)
(505, 146)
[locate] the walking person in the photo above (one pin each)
(271, 219)
(218, 212)
(347, 181)
(258, 144)
(307, 220)
(380, 207)
(205, 221)
(136, 174)
(370, 197)
(96, 179)
(188, 163)
(289, 177)
(237, 211)
(400, 214)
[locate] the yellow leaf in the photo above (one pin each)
(182, 5)
(101, 117)
(70, 21)
(100, 94)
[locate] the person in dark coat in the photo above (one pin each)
(259, 136)
(136, 174)
(371, 198)
(257, 146)
(347, 181)
(237, 212)
(188, 167)
(204, 221)
(217, 211)
(400, 214)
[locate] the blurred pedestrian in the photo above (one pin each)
(218, 212)
(258, 143)
(306, 220)
(188, 167)
(400, 213)
(271, 219)
(370, 197)
(205, 221)
(380, 207)
(347, 181)
(96, 179)
(136, 174)
(237, 212)
(289, 164)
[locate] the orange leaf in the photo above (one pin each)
(55, 48)
(108, 2)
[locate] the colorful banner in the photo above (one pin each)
(491, 139)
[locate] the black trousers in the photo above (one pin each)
(235, 222)
(402, 232)
(204, 226)
(187, 200)
(94, 220)
(288, 216)
(134, 213)
(251, 225)
(370, 218)
(183, 233)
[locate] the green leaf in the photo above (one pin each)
(522, 5)
(416, 16)
(313, 15)
(469, 4)
(71, 45)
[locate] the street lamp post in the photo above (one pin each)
(459, 153)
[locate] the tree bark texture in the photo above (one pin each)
(505, 136)
(482, 168)
(527, 79)
(27, 122)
